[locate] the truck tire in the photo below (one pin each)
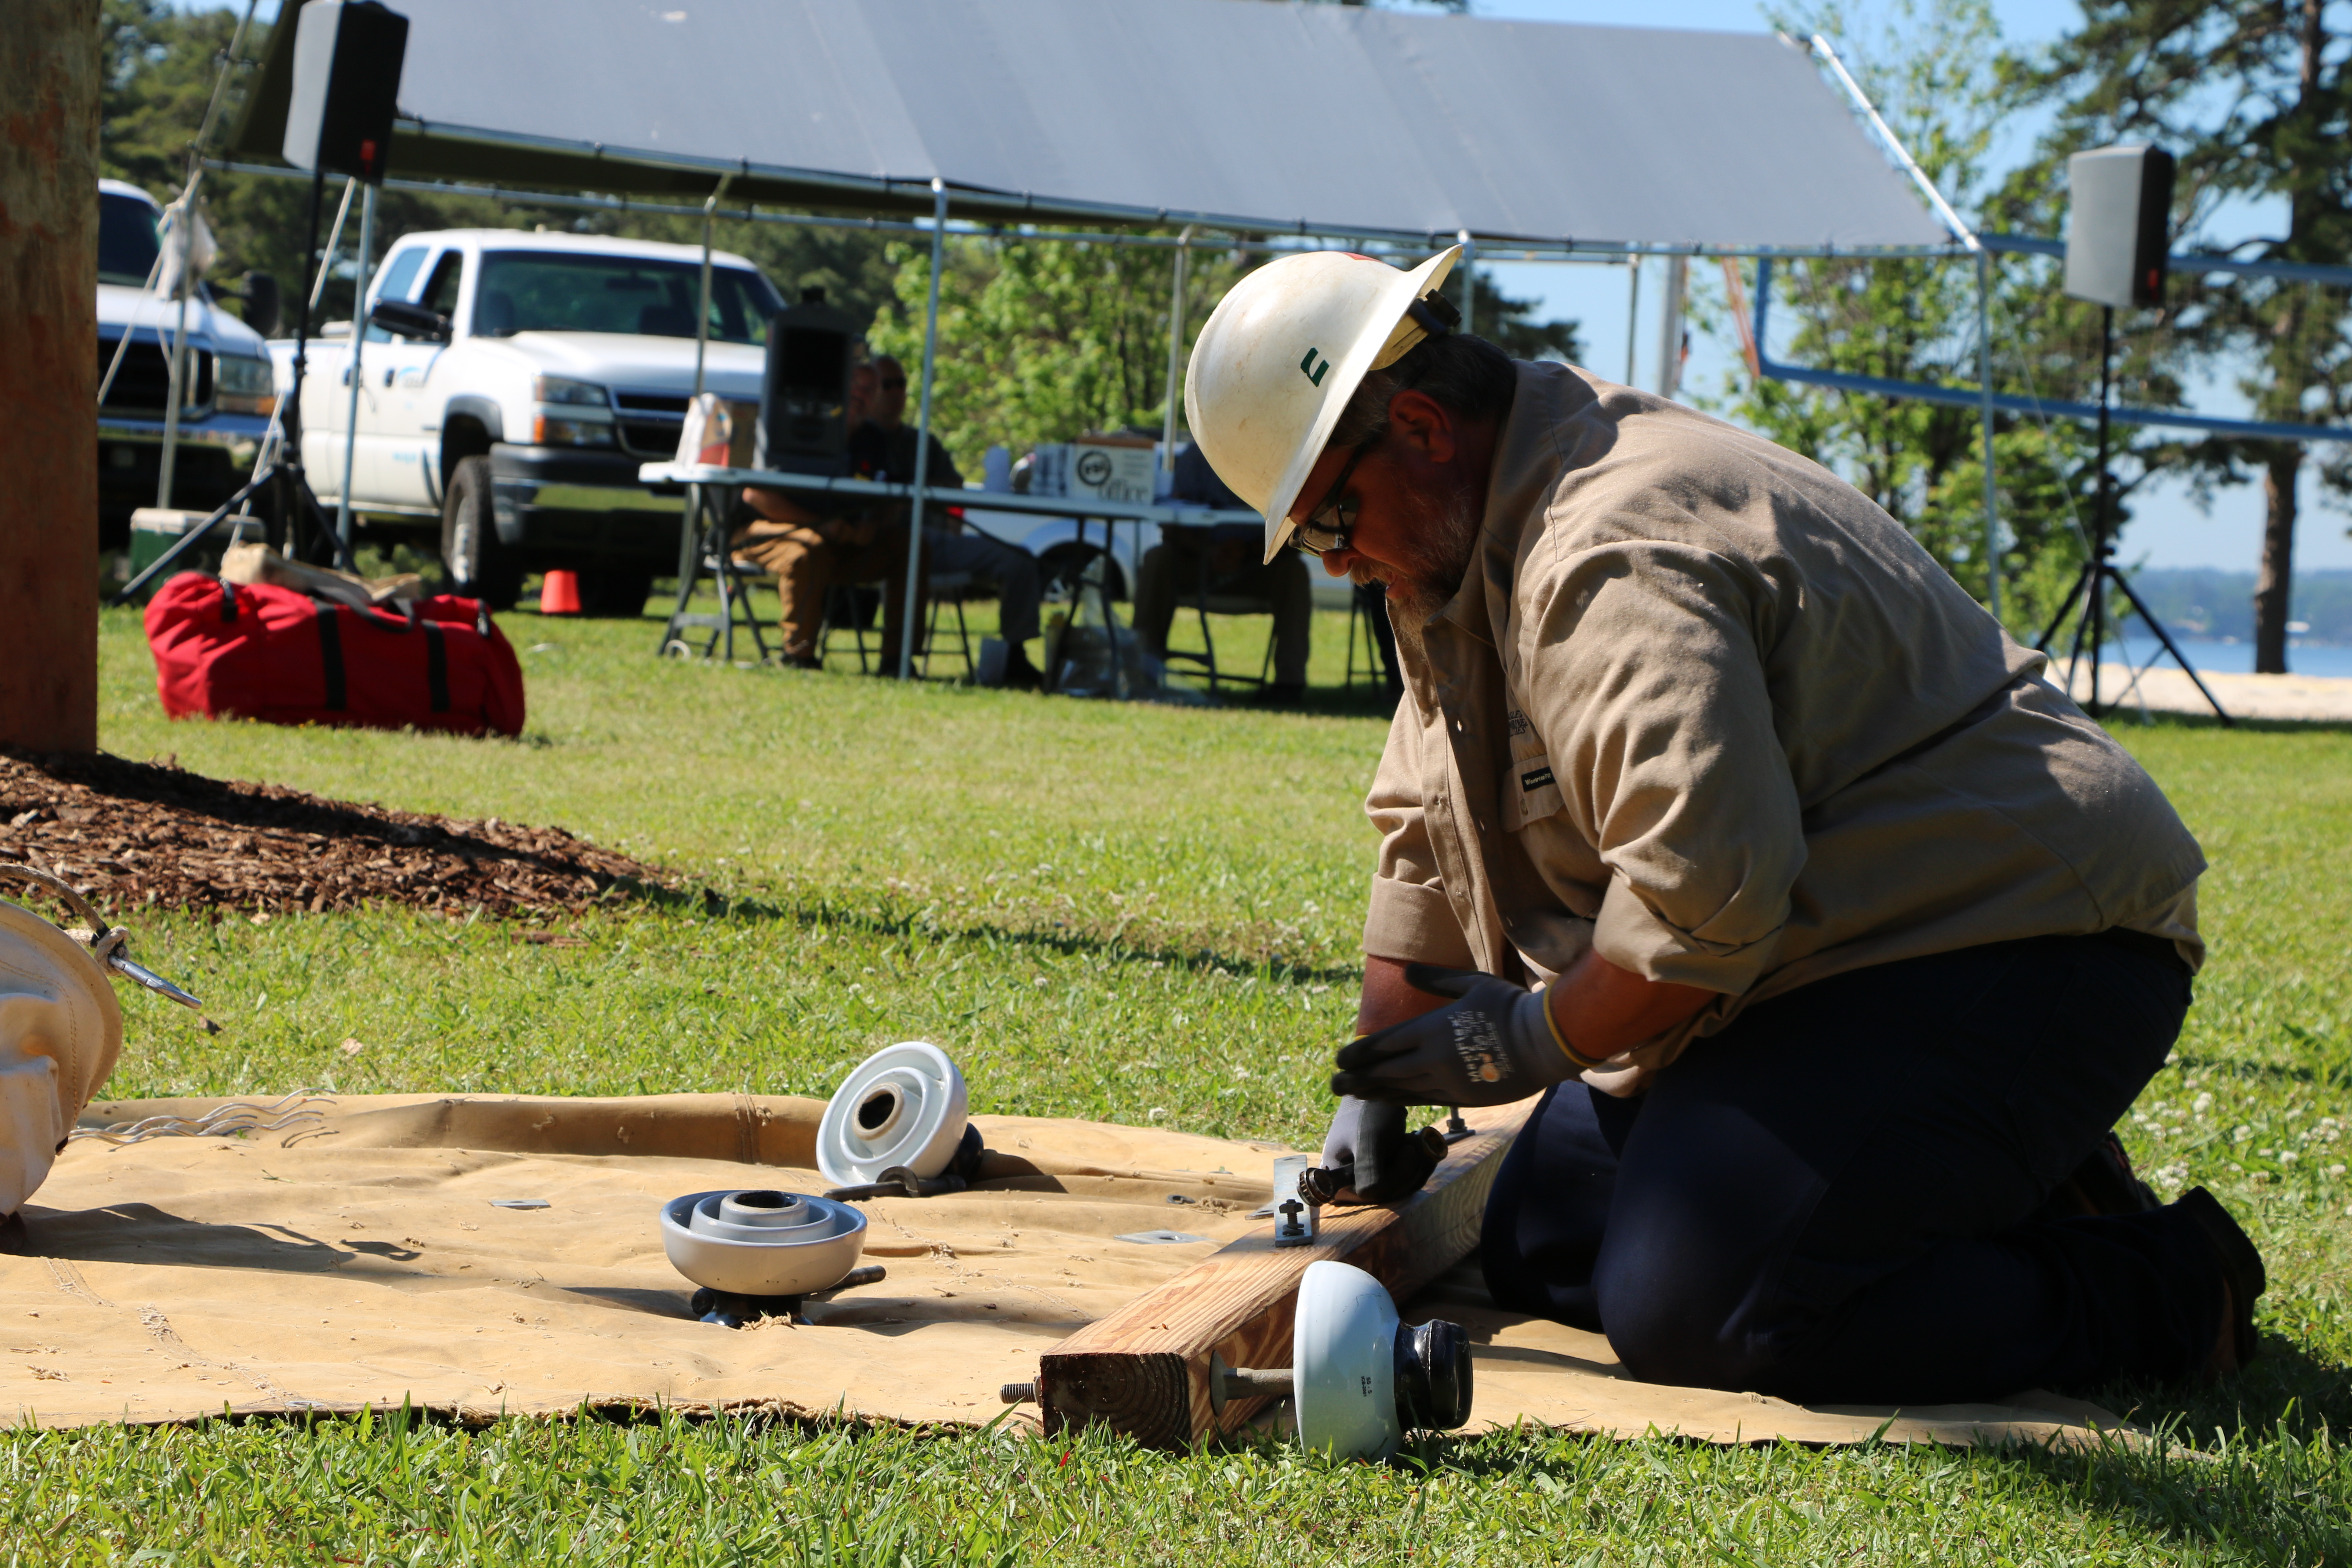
(620, 592)
(478, 565)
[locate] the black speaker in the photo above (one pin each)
(347, 59)
(804, 398)
(2117, 243)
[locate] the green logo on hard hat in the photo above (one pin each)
(1315, 372)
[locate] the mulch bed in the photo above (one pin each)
(140, 834)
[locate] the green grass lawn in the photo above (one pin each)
(1144, 914)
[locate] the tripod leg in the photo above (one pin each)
(2065, 607)
(190, 539)
(2173, 648)
(2081, 629)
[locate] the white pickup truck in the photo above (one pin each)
(511, 385)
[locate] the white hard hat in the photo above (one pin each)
(1281, 355)
(60, 1031)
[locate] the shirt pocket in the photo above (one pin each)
(1529, 792)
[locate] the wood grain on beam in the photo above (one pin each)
(1144, 1370)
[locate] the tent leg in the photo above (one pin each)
(1175, 348)
(1991, 489)
(923, 432)
(1469, 279)
(702, 316)
(1632, 313)
(359, 336)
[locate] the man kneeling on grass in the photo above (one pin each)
(1833, 935)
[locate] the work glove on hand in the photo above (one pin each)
(1387, 1162)
(1495, 1045)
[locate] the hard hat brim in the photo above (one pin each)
(1347, 374)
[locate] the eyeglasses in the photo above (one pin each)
(1316, 536)
(894, 382)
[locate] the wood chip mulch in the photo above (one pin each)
(144, 835)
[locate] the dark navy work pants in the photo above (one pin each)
(1839, 1198)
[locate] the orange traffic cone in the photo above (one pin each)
(560, 594)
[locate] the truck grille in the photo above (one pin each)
(649, 421)
(143, 384)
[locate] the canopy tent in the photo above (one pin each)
(1311, 118)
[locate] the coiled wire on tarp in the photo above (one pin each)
(295, 1110)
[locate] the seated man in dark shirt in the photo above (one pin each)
(812, 550)
(1220, 561)
(886, 446)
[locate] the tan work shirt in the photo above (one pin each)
(1702, 705)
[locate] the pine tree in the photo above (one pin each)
(2253, 98)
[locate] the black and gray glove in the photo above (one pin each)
(1373, 1158)
(1492, 1046)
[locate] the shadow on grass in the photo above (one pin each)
(1110, 945)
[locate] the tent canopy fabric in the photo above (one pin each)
(1236, 113)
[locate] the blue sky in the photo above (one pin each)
(2171, 530)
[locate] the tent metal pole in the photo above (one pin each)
(359, 337)
(1670, 326)
(1984, 379)
(173, 396)
(1175, 348)
(1894, 144)
(1633, 314)
(923, 432)
(702, 316)
(1469, 279)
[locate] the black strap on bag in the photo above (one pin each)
(330, 650)
(228, 601)
(436, 666)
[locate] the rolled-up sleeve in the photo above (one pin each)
(1410, 917)
(1654, 702)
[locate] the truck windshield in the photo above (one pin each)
(126, 239)
(560, 291)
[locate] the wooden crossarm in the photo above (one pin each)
(1145, 1369)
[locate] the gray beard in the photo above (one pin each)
(1439, 556)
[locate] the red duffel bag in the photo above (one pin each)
(258, 651)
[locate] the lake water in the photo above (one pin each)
(2235, 658)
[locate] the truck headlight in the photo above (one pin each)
(244, 385)
(551, 432)
(563, 389)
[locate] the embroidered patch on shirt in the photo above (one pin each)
(1529, 792)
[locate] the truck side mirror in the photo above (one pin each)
(403, 319)
(263, 307)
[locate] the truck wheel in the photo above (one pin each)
(480, 566)
(616, 591)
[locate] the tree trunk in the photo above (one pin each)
(48, 375)
(2274, 584)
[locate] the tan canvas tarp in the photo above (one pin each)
(364, 1260)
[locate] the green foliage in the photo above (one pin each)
(2254, 99)
(1041, 339)
(1926, 65)
(1510, 323)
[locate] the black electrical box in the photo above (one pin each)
(804, 398)
(347, 60)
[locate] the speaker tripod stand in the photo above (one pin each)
(297, 505)
(2100, 571)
